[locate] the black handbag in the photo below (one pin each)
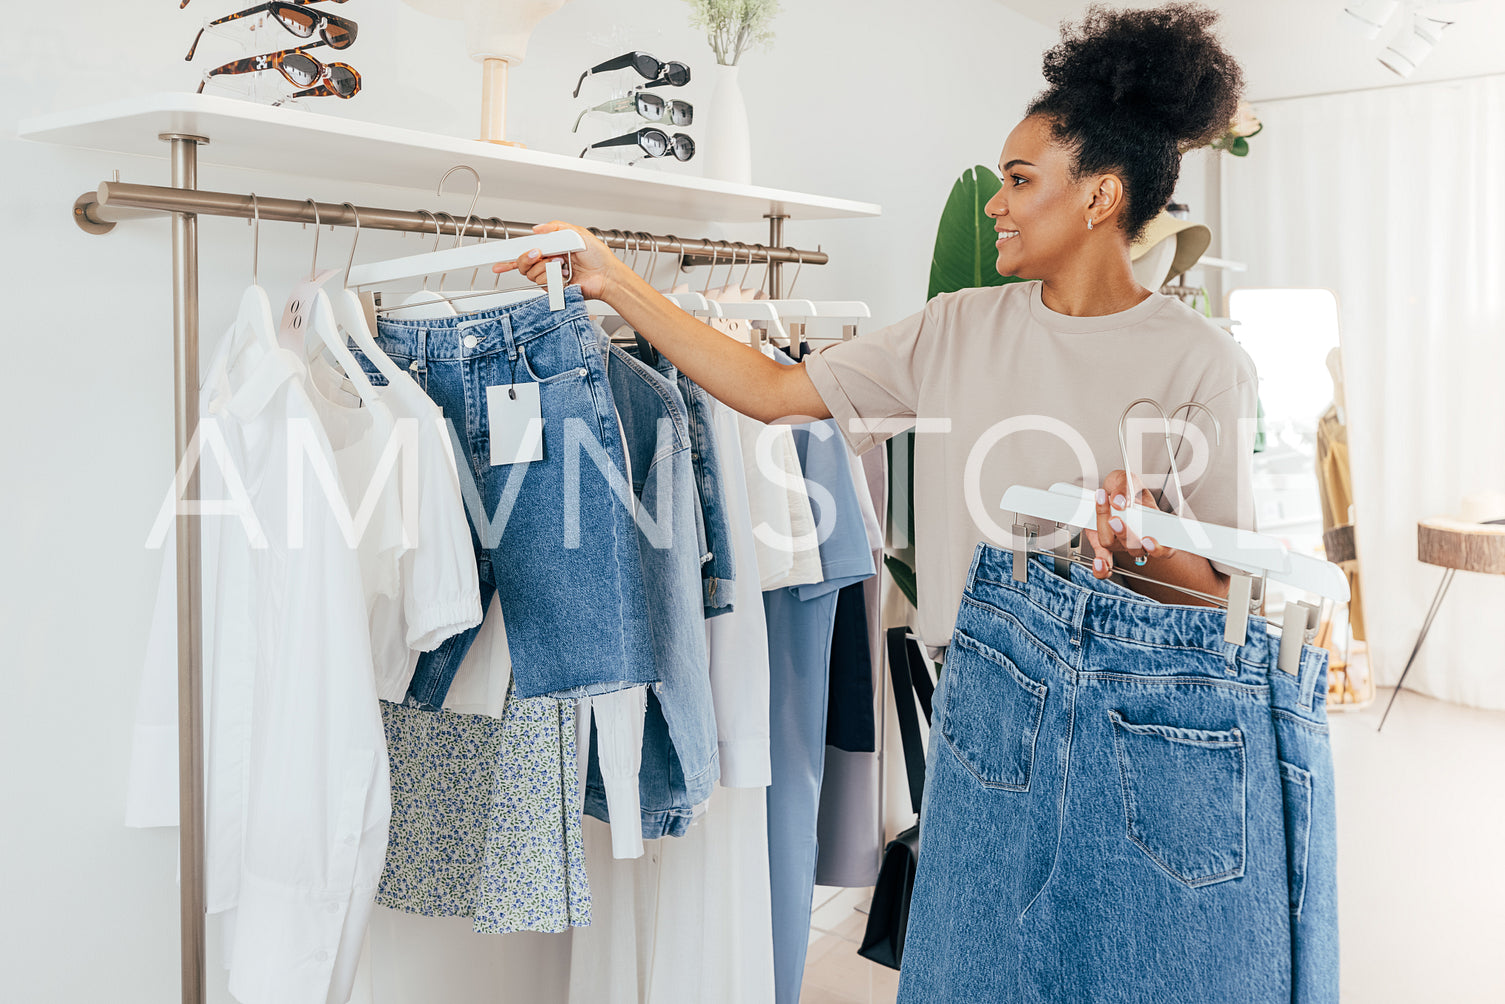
(888, 917)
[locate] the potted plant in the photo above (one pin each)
(732, 27)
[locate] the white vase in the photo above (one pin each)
(727, 148)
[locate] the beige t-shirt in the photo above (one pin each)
(1002, 390)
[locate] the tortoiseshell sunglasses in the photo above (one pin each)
(299, 69)
(186, 2)
(335, 32)
(323, 88)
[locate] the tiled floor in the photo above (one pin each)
(1421, 876)
(834, 972)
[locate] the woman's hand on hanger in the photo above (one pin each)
(1112, 536)
(1113, 543)
(592, 269)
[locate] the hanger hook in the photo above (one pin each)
(742, 283)
(475, 273)
(652, 257)
(255, 239)
(706, 290)
(313, 267)
(767, 261)
(474, 198)
(799, 257)
(728, 246)
(438, 236)
(679, 269)
(353, 241)
(1217, 432)
(496, 283)
(1123, 445)
(456, 224)
(732, 267)
(637, 246)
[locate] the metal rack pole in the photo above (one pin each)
(96, 212)
(776, 239)
(185, 324)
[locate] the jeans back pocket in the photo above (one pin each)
(1183, 795)
(992, 714)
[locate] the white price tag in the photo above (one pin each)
(296, 312)
(516, 419)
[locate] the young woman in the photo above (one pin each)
(1028, 380)
(1103, 814)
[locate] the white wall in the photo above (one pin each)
(868, 100)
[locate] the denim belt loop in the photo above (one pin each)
(972, 569)
(1078, 617)
(422, 356)
(1230, 658)
(506, 322)
(1307, 685)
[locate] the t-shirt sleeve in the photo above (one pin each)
(441, 588)
(871, 384)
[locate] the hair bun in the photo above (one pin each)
(1158, 69)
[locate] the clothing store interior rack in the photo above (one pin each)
(243, 135)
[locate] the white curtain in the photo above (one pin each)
(1395, 200)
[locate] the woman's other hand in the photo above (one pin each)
(593, 269)
(1113, 536)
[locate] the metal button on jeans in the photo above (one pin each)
(471, 341)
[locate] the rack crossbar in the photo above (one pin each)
(112, 195)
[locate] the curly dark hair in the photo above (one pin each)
(1130, 89)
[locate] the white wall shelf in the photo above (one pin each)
(251, 136)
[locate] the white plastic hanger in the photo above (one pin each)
(324, 328)
(1258, 555)
(254, 323)
(455, 259)
(350, 317)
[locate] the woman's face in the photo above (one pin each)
(1040, 213)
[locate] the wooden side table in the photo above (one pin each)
(1455, 546)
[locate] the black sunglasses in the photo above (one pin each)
(653, 142)
(304, 21)
(648, 67)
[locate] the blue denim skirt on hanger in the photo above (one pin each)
(1121, 806)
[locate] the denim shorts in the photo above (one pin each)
(681, 759)
(1121, 806)
(554, 538)
(718, 569)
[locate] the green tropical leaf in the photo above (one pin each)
(965, 253)
(903, 577)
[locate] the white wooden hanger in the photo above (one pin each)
(455, 259)
(1258, 555)
(847, 313)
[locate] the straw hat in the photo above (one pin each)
(1177, 243)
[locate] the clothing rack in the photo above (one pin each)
(114, 201)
